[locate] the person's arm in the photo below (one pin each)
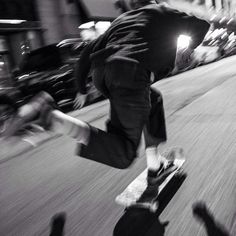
(82, 68)
(83, 65)
(198, 30)
(192, 26)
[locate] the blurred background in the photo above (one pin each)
(40, 174)
(40, 41)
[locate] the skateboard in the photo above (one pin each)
(132, 193)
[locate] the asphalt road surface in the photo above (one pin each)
(201, 117)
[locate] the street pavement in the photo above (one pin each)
(41, 180)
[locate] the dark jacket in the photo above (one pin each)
(148, 35)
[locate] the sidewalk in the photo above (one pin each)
(14, 147)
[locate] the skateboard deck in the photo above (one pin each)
(130, 196)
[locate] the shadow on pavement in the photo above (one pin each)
(57, 224)
(141, 222)
(213, 228)
(138, 222)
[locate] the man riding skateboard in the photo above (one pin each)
(139, 43)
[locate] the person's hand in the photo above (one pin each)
(80, 100)
(183, 58)
(187, 55)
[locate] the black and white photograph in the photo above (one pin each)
(117, 117)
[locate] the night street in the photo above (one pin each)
(50, 178)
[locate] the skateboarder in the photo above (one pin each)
(139, 43)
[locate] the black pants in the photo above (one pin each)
(133, 107)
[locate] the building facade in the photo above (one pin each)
(29, 24)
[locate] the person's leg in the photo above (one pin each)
(128, 91)
(70, 126)
(155, 133)
(115, 147)
(42, 109)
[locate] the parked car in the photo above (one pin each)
(47, 69)
(51, 68)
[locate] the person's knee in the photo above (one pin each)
(126, 160)
(125, 164)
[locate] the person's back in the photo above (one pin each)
(149, 35)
